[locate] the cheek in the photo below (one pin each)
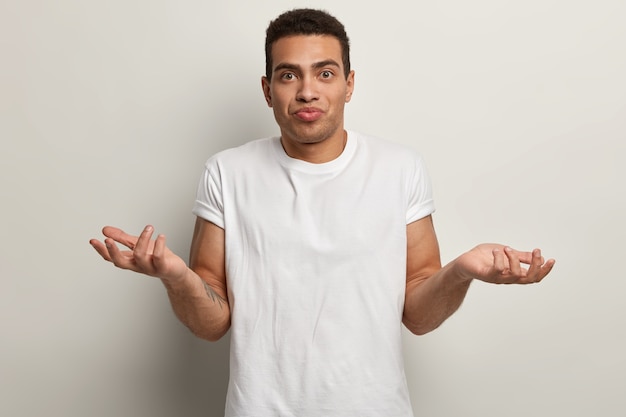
(341, 97)
(278, 99)
(339, 93)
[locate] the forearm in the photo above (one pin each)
(429, 302)
(199, 306)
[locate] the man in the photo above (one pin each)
(313, 247)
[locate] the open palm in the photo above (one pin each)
(144, 255)
(501, 264)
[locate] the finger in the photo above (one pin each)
(535, 268)
(142, 249)
(545, 269)
(116, 256)
(501, 265)
(120, 236)
(158, 257)
(101, 249)
(499, 261)
(514, 262)
(525, 257)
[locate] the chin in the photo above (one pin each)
(307, 140)
(311, 135)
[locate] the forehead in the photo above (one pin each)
(306, 49)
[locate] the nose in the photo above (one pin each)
(307, 90)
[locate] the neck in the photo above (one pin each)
(317, 152)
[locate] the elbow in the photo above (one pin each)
(419, 329)
(212, 334)
(213, 337)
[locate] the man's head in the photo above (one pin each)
(308, 83)
(306, 22)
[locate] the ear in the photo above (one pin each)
(265, 84)
(349, 86)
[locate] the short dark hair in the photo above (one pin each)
(306, 22)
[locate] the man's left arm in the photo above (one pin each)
(434, 293)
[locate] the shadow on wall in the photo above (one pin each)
(203, 367)
(203, 377)
(194, 382)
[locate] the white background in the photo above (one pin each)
(109, 110)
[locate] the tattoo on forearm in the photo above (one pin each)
(215, 297)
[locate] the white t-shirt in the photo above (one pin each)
(316, 275)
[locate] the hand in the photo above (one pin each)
(146, 256)
(500, 264)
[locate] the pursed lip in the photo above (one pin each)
(308, 114)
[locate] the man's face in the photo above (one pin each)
(308, 89)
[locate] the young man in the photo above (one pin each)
(313, 247)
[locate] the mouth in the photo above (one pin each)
(308, 114)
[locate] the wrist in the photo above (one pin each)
(178, 282)
(459, 272)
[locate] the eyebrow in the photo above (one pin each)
(316, 65)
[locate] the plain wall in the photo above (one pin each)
(109, 110)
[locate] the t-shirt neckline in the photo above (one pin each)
(335, 165)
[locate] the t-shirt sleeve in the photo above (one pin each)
(209, 204)
(420, 193)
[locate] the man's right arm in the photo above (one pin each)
(200, 301)
(197, 293)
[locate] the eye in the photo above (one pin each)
(326, 74)
(288, 76)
